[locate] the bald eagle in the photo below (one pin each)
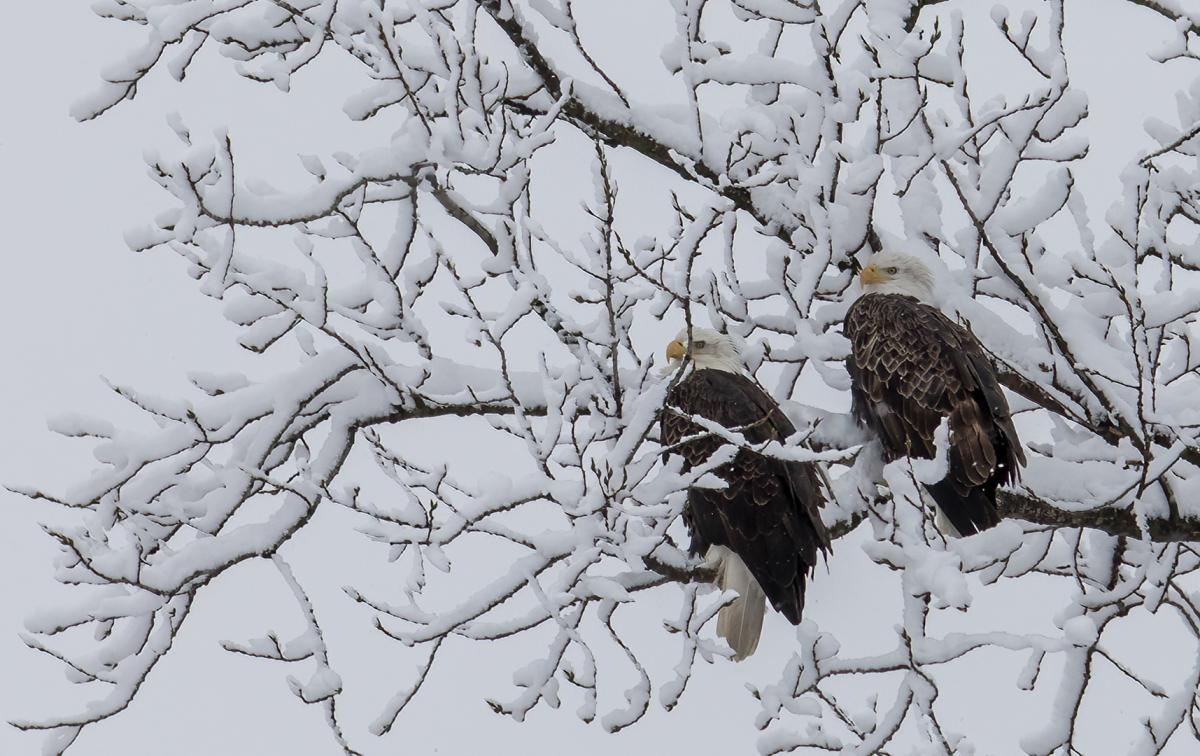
(762, 531)
(911, 366)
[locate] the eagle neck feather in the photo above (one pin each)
(918, 290)
(724, 363)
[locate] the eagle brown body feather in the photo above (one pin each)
(768, 512)
(910, 367)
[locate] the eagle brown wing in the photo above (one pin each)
(910, 367)
(768, 511)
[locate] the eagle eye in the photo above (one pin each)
(892, 270)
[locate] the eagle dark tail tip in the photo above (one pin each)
(792, 604)
(968, 514)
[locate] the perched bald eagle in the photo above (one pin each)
(763, 530)
(910, 367)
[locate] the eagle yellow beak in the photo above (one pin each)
(676, 350)
(871, 275)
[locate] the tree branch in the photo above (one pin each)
(1110, 432)
(616, 133)
(1162, 10)
(1020, 505)
(914, 13)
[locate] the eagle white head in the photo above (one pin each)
(710, 349)
(897, 273)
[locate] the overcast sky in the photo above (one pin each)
(76, 305)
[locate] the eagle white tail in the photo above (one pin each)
(740, 623)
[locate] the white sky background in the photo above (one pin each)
(75, 304)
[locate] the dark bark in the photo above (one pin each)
(1118, 522)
